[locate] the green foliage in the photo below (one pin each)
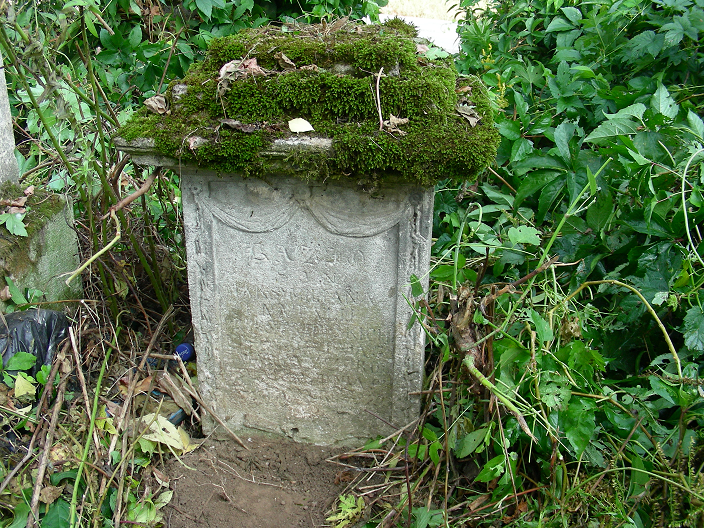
(595, 363)
(14, 223)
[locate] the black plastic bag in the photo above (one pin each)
(37, 332)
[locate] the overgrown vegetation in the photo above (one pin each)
(565, 314)
(566, 308)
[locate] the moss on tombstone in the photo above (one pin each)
(14, 250)
(329, 75)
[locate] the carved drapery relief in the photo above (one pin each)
(254, 206)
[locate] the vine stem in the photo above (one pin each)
(88, 262)
(96, 404)
(378, 98)
(643, 300)
(468, 362)
(684, 206)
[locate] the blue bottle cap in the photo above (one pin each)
(185, 351)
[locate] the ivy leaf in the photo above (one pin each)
(559, 24)
(635, 110)
(17, 295)
(610, 129)
(426, 518)
(662, 389)
(555, 394)
(492, 469)
(696, 124)
(509, 129)
(574, 14)
(21, 514)
(542, 327)
(579, 423)
(135, 37)
(469, 443)
(21, 361)
(524, 235)
(645, 42)
(663, 103)
(694, 329)
(416, 286)
(14, 223)
(205, 7)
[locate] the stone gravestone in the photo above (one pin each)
(50, 250)
(301, 305)
(302, 246)
(8, 164)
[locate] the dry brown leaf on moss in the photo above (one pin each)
(29, 191)
(238, 125)
(284, 61)
(310, 67)
(393, 123)
(196, 141)
(157, 105)
(239, 68)
(421, 48)
(469, 113)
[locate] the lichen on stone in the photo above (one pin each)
(229, 108)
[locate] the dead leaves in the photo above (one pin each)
(465, 108)
(284, 62)
(17, 205)
(391, 126)
(157, 105)
(237, 69)
(469, 113)
(247, 128)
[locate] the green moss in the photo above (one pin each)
(337, 94)
(41, 207)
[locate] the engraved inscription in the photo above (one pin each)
(313, 315)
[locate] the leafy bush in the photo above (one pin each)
(597, 360)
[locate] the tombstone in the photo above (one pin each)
(8, 163)
(39, 260)
(302, 245)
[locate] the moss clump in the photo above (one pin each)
(326, 74)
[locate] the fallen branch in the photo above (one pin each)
(190, 389)
(132, 197)
(468, 362)
(510, 287)
(378, 99)
(33, 519)
(45, 394)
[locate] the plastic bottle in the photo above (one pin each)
(185, 351)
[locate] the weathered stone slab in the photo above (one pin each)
(298, 295)
(43, 259)
(8, 162)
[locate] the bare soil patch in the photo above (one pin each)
(274, 484)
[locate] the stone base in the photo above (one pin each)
(44, 259)
(300, 303)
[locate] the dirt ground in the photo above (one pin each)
(274, 484)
